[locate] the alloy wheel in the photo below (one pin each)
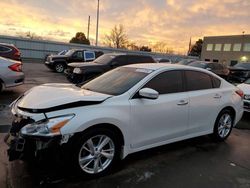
(59, 67)
(224, 125)
(96, 154)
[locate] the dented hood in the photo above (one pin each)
(50, 97)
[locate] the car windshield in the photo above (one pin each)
(104, 59)
(70, 52)
(62, 52)
(243, 65)
(198, 64)
(117, 81)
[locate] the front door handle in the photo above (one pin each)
(182, 102)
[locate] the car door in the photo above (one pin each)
(204, 101)
(157, 121)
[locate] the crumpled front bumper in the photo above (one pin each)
(26, 147)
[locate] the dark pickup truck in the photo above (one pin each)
(59, 63)
(80, 72)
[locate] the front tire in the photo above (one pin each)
(59, 67)
(97, 152)
(223, 125)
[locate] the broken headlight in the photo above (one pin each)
(47, 127)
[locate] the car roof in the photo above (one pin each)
(157, 66)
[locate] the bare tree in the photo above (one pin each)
(117, 37)
(162, 47)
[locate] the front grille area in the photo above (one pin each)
(247, 105)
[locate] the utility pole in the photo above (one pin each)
(97, 23)
(88, 27)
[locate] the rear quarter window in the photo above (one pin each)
(216, 82)
(4, 49)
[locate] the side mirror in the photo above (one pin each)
(209, 69)
(148, 93)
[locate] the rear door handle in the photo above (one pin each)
(217, 96)
(182, 102)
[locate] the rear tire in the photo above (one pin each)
(59, 67)
(96, 152)
(223, 125)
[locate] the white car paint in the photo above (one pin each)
(144, 123)
(246, 90)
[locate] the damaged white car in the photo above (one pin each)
(126, 110)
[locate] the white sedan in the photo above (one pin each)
(245, 87)
(126, 110)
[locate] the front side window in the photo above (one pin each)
(167, 82)
(209, 47)
(198, 81)
(117, 81)
(237, 47)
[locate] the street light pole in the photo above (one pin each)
(97, 23)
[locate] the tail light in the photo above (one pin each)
(17, 52)
(240, 93)
(17, 67)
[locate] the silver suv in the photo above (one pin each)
(10, 73)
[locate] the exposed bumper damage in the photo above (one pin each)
(26, 147)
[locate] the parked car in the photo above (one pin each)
(239, 72)
(59, 62)
(10, 51)
(10, 73)
(186, 61)
(216, 68)
(245, 87)
(125, 110)
(80, 72)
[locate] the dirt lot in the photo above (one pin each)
(192, 163)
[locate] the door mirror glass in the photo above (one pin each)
(148, 93)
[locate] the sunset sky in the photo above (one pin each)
(146, 21)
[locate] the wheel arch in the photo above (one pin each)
(108, 126)
(231, 109)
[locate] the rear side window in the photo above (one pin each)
(197, 81)
(167, 82)
(4, 49)
(89, 55)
